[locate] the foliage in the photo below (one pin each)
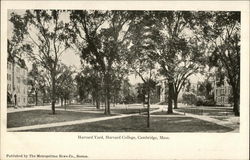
(65, 86)
(99, 37)
(202, 101)
(46, 39)
(189, 98)
(38, 81)
(204, 88)
(112, 44)
(179, 53)
(89, 82)
(222, 32)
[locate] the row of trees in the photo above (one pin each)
(174, 44)
(40, 83)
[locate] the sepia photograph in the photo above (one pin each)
(124, 80)
(123, 71)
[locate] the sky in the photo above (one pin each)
(71, 58)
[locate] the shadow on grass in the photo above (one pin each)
(35, 117)
(165, 113)
(138, 124)
(208, 111)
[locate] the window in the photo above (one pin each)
(18, 99)
(17, 69)
(18, 89)
(9, 87)
(226, 99)
(9, 66)
(18, 79)
(222, 91)
(9, 77)
(218, 92)
(23, 100)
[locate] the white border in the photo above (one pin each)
(180, 145)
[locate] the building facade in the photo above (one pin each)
(162, 90)
(17, 87)
(222, 93)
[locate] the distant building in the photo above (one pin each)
(222, 92)
(162, 90)
(17, 88)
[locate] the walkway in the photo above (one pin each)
(232, 122)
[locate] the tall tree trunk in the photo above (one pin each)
(36, 97)
(170, 97)
(43, 98)
(53, 92)
(61, 101)
(107, 96)
(97, 104)
(65, 102)
(175, 97)
(97, 98)
(108, 100)
(148, 99)
(236, 99)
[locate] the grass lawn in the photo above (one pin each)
(34, 117)
(164, 113)
(118, 110)
(208, 111)
(131, 110)
(222, 118)
(138, 124)
(78, 106)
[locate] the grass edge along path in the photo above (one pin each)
(57, 124)
(137, 123)
(209, 119)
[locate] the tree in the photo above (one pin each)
(205, 88)
(89, 82)
(178, 52)
(46, 40)
(34, 81)
(189, 98)
(222, 31)
(140, 57)
(187, 65)
(39, 81)
(188, 86)
(65, 83)
(99, 36)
